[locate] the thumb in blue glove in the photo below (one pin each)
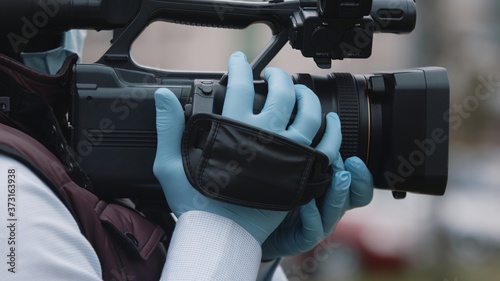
(305, 226)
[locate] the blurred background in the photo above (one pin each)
(451, 238)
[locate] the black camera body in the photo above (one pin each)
(394, 121)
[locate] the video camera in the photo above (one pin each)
(394, 121)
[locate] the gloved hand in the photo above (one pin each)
(305, 226)
(168, 167)
(280, 101)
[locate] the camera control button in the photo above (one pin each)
(206, 89)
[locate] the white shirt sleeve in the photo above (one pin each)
(39, 239)
(209, 247)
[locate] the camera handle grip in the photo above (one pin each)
(224, 14)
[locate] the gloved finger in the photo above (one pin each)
(312, 227)
(280, 100)
(331, 141)
(169, 127)
(240, 92)
(361, 192)
(308, 118)
(334, 202)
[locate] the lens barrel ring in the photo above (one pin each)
(348, 111)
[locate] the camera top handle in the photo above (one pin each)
(318, 28)
(295, 21)
(222, 14)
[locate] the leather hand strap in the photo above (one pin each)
(231, 161)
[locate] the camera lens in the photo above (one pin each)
(395, 122)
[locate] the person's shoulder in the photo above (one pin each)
(43, 233)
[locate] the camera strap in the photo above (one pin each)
(233, 162)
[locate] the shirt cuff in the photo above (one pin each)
(206, 246)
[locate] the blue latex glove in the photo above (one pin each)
(280, 101)
(168, 168)
(305, 226)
